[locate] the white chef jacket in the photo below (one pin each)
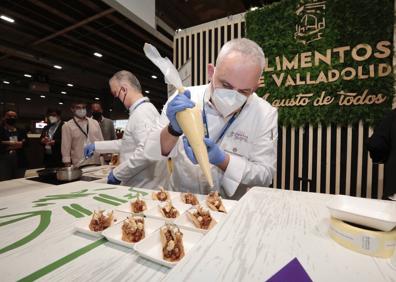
(250, 141)
(134, 169)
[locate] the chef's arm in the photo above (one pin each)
(168, 141)
(104, 147)
(170, 134)
(137, 160)
(259, 168)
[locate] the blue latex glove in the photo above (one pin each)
(89, 150)
(111, 179)
(216, 154)
(178, 104)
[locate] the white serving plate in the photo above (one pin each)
(228, 204)
(186, 222)
(114, 233)
(82, 225)
(151, 247)
(372, 213)
(127, 206)
(156, 213)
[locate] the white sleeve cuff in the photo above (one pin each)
(233, 174)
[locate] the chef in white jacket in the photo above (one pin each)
(241, 128)
(134, 169)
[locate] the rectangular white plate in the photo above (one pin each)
(82, 225)
(114, 233)
(151, 247)
(156, 213)
(127, 207)
(372, 213)
(186, 222)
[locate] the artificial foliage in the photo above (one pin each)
(348, 23)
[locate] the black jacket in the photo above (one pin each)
(54, 159)
(20, 153)
(382, 147)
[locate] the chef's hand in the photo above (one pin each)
(111, 179)
(89, 150)
(178, 104)
(216, 155)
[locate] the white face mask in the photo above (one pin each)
(81, 113)
(227, 101)
(53, 119)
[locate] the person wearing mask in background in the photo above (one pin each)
(241, 128)
(134, 169)
(382, 148)
(78, 132)
(13, 162)
(51, 139)
(106, 125)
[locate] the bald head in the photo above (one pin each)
(243, 48)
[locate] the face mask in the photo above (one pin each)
(227, 101)
(53, 119)
(80, 113)
(123, 99)
(97, 115)
(10, 121)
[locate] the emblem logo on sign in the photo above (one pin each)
(312, 22)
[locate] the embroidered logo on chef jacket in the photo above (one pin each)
(239, 136)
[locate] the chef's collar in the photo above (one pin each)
(137, 103)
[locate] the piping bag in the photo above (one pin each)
(190, 120)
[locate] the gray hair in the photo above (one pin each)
(250, 49)
(127, 76)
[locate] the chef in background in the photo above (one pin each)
(241, 128)
(78, 132)
(134, 170)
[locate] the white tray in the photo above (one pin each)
(156, 213)
(151, 247)
(372, 213)
(186, 222)
(127, 207)
(114, 233)
(82, 225)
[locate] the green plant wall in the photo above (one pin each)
(347, 23)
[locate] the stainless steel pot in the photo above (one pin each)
(68, 173)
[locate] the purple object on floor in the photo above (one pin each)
(293, 271)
